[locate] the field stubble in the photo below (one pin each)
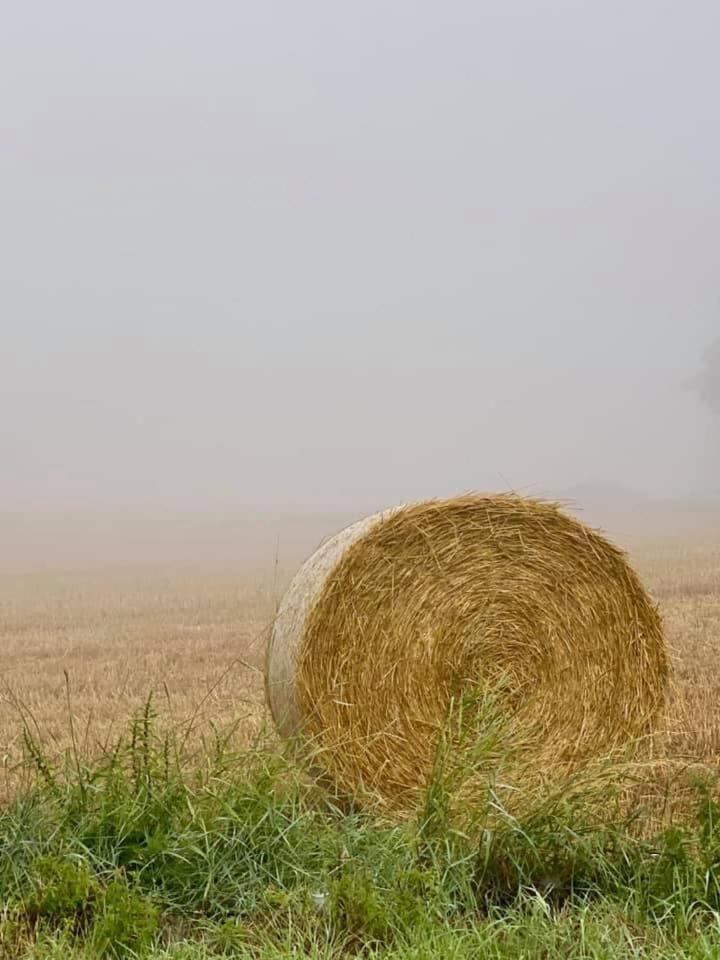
(94, 645)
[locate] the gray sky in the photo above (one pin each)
(328, 254)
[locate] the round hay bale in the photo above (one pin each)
(497, 617)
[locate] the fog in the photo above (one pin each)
(300, 257)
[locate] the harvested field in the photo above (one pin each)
(164, 853)
(105, 641)
(197, 641)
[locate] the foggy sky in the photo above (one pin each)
(325, 254)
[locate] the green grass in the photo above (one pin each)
(142, 854)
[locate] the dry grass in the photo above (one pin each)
(119, 635)
(684, 576)
(194, 641)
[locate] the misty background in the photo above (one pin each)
(287, 260)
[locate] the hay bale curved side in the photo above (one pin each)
(469, 600)
(289, 624)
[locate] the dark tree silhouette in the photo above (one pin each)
(709, 379)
